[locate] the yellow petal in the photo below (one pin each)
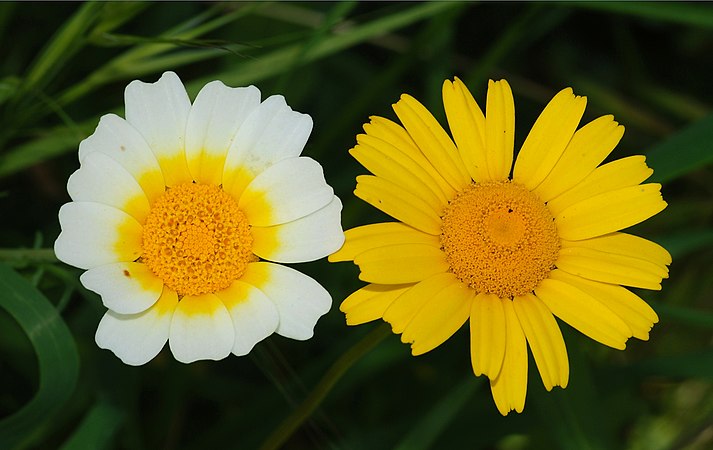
(626, 245)
(611, 268)
(401, 263)
(487, 335)
(509, 389)
(499, 129)
(635, 312)
(610, 211)
(545, 339)
(587, 149)
(433, 141)
(381, 132)
(415, 164)
(548, 138)
(402, 172)
(467, 124)
(614, 175)
(439, 318)
(405, 307)
(398, 203)
(367, 237)
(583, 312)
(370, 302)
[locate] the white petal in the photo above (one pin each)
(94, 235)
(101, 179)
(201, 329)
(254, 316)
(311, 237)
(160, 111)
(299, 299)
(137, 338)
(291, 189)
(271, 133)
(125, 287)
(117, 139)
(215, 117)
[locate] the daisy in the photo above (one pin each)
(180, 213)
(507, 252)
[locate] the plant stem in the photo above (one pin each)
(325, 385)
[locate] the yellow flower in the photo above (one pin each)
(508, 253)
(178, 210)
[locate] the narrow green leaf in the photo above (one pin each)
(337, 14)
(682, 314)
(684, 243)
(97, 429)
(575, 417)
(56, 142)
(683, 152)
(115, 14)
(425, 432)
(697, 365)
(142, 59)
(282, 433)
(56, 354)
(62, 46)
(276, 62)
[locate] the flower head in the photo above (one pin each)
(180, 213)
(509, 253)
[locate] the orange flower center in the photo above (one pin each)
(499, 238)
(196, 239)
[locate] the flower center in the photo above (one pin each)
(196, 239)
(499, 238)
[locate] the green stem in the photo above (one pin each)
(35, 255)
(325, 385)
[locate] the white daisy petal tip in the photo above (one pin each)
(90, 235)
(312, 237)
(254, 316)
(299, 299)
(201, 329)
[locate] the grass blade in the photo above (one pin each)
(688, 150)
(56, 354)
(97, 429)
(425, 432)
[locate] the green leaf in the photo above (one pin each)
(56, 354)
(283, 432)
(688, 316)
(97, 429)
(681, 244)
(280, 60)
(575, 417)
(425, 432)
(56, 141)
(695, 364)
(63, 45)
(683, 152)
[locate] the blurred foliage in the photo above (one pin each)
(63, 65)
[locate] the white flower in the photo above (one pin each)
(181, 212)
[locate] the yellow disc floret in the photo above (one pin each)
(196, 239)
(499, 238)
